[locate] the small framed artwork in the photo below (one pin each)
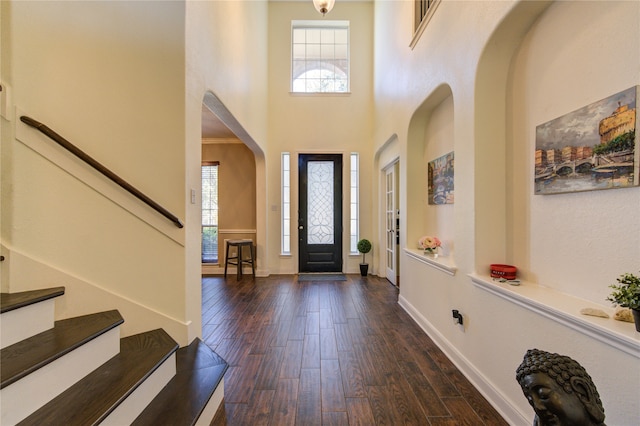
(440, 180)
(595, 147)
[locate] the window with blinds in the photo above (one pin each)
(210, 212)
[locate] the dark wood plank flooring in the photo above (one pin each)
(330, 353)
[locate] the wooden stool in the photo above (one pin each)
(238, 259)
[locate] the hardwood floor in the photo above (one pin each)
(330, 353)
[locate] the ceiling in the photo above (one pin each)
(213, 128)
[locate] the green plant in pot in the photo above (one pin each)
(627, 294)
(364, 247)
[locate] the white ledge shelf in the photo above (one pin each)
(441, 263)
(565, 309)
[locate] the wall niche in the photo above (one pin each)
(431, 136)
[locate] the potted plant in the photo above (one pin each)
(364, 247)
(627, 294)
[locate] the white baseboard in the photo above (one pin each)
(477, 379)
(82, 297)
(219, 270)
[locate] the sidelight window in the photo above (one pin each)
(354, 222)
(285, 237)
(210, 212)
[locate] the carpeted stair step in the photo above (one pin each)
(184, 400)
(105, 394)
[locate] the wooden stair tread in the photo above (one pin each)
(11, 301)
(94, 397)
(199, 371)
(26, 356)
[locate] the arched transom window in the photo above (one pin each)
(320, 56)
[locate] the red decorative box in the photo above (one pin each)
(507, 272)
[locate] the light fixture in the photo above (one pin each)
(323, 6)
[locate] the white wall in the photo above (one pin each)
(436, 141)
(505, 77)
(319, 123)
(104, 76)
(563, 237)
(125, 81)
(226, 69)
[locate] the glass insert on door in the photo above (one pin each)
(320, 224)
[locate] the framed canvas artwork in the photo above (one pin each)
(595, 147)
(440, 180)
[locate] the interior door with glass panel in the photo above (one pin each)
(320, 213)
(391, 223)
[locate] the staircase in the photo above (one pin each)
(78, 371)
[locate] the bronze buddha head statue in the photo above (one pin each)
(559, 390)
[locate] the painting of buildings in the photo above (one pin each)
(440, 180)
(595, 147)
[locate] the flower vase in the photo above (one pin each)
(431, 252)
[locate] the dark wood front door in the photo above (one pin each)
(320, 214)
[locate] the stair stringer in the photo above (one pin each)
(82, 298)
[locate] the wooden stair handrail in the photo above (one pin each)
(99, 167)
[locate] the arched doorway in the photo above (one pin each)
(242, 172)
